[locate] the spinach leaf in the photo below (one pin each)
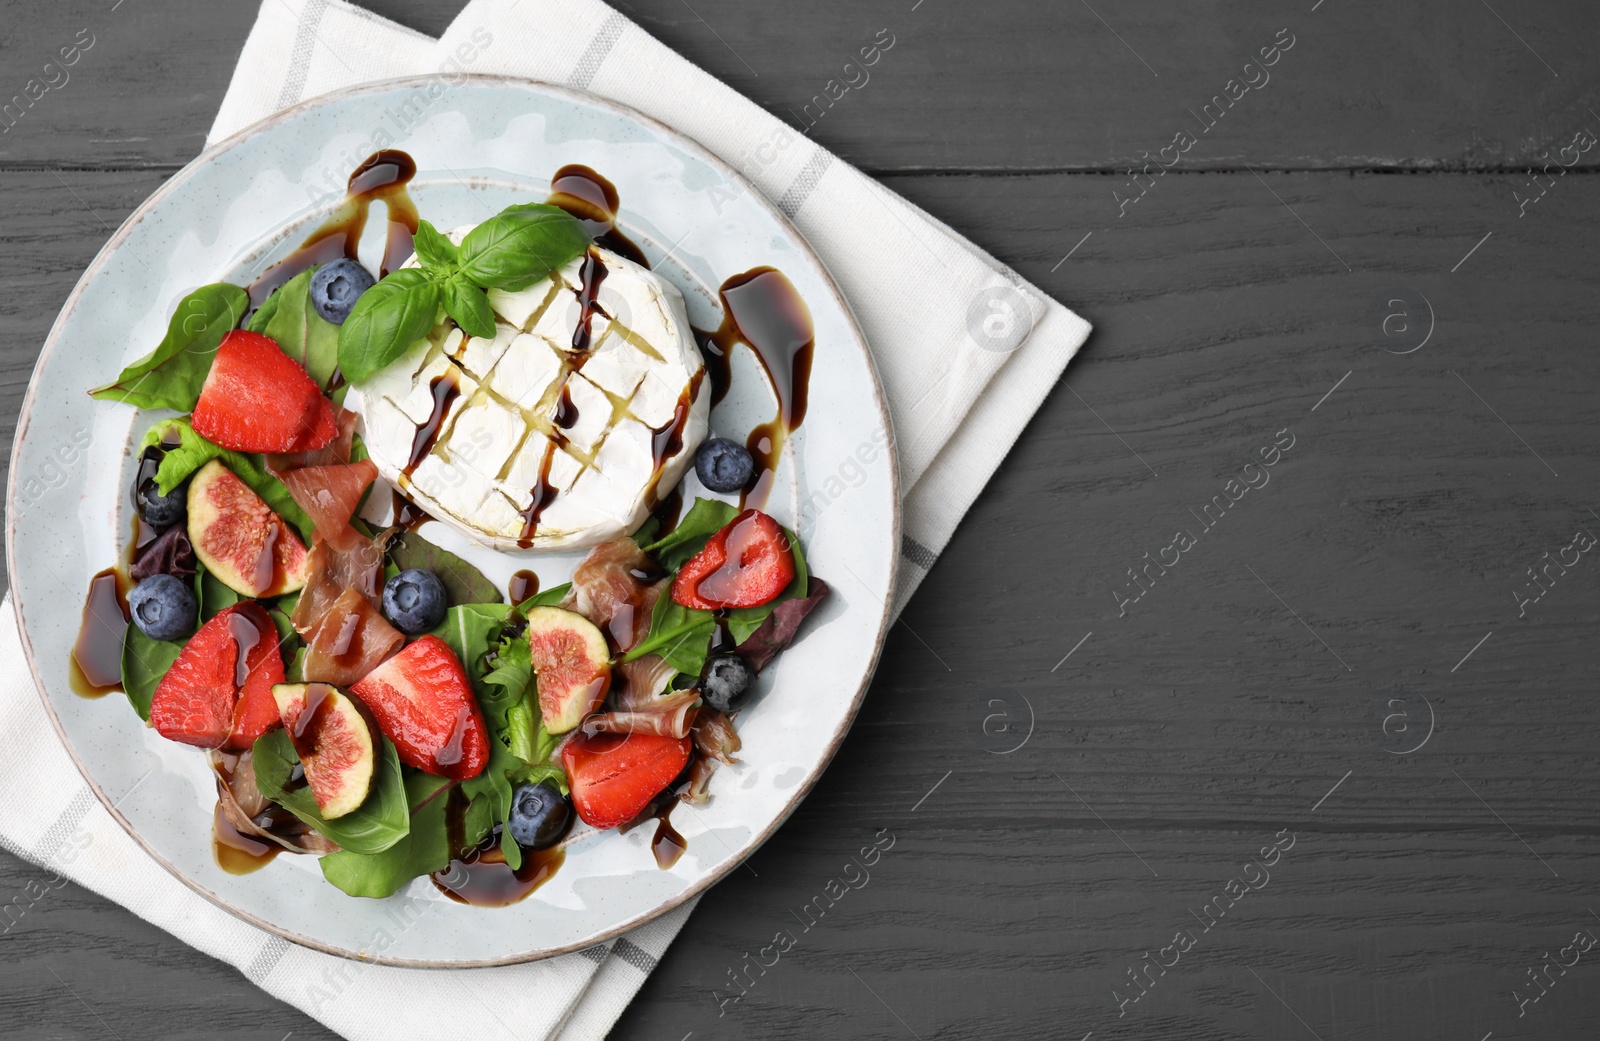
(681, 635)
(422, 851)
(704, 519)
(194, 451)
(551, 597)
(214, 596)
(144, 663)
(372, 827)
(170, 376)
(387, 320)
(463, 583)
(469, 306)
(303, 334)
(523, 244)
(437, 254)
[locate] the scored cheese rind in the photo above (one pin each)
(499, 445)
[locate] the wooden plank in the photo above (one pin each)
(1064, 87)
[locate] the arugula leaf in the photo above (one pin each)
(438, 255)
(170, 376)
(704, 519)
(372, 827)
(469, 306)
(387, 320)
(551, 597)
(463, 583)
(303, 334)
(144, 663)
(424, 849)
(523, 244)
(194, 451)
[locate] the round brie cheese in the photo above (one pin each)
(549, 435)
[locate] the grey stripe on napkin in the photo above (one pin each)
(305, 40)
(596, 53)
(805, 183)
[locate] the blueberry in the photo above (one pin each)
(336, 287)
(726, 681)
(414, 601)
(163, 607)
(723, 465)
(162, 511)
(539, 816)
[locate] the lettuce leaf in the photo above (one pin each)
(424, 849)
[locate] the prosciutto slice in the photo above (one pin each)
(607, 589)
(330, 495)
(671, 715)
(331, 572)
(335, 451)
(253, 814)
(348, 640)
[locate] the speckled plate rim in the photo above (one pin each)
(289, 115)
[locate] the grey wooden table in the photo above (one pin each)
(1326, 767)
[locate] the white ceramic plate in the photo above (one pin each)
(482, 146)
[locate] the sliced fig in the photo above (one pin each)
(571, 664)
(334, 741)
(239, 539)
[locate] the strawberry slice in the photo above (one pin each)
(198, 701)
(614, 776)
(258, 399)
(746, 564)
(423, 703)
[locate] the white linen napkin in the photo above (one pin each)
(966, 350)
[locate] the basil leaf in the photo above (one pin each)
(424, 849)
(299, 331)
(437, 254)
(704, 519)
(387, 320)
(523, 244)
(469, 306)
(144, 663)
(171, 375)
(194, 451)
(378, 823)
(463, 583)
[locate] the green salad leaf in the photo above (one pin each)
(303, 334)
(463, 583)
(194, 451)
(424, 849)
(171, 375)
(551, 597)
(704, 519)
(144, 662)
(212, 594)
(521, 245)
(387, 320)
(672, 623)
(374, 826)
(681, 635)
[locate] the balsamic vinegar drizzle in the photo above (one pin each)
(523, 585)
(445, 388)
(762, 309)
(383, 176)
(96, 665)
(593, 199)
